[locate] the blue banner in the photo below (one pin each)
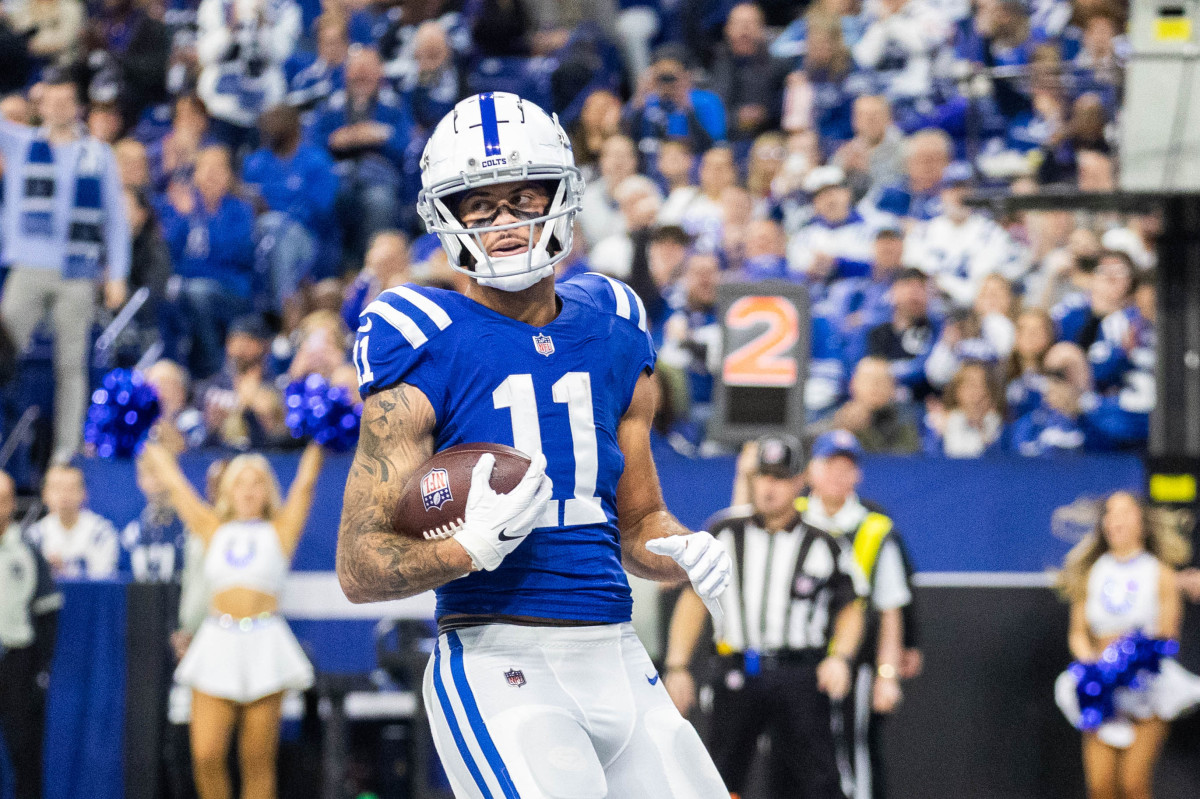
(988, 514)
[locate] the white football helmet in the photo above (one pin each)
(499, 138)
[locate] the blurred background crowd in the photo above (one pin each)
(268, 152)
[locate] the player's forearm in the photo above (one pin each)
(641, 562)
(379, 565)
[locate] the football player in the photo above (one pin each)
(538, 686)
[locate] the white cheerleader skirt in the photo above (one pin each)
(1168, 695)
(244, 659)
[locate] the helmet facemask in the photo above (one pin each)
(464, 245)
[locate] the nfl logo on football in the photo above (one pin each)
(543, 344)
(515, 677)
(435, 489)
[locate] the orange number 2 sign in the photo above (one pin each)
(766, 359)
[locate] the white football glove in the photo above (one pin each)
(705, 561)
(496, 524)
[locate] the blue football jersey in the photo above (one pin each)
(561, 390)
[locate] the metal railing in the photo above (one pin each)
(104, 344)
(21, 431)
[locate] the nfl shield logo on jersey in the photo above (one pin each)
(515, 677)
(543, 344)
(435, 489)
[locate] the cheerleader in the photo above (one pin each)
(1120, 579)
(244, 656)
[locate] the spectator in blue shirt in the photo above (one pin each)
(692, 338)
(1083, 132)
(1080, 317)
(432, 81)
(210, 233)
(366, 128)
(825, 385)
(999, 35)
(388, 264)
(1058, 423)
(1099, 65)
(827, 85)
(296, 183)
(1031, 129)
(318, 81)
(174, 154)
(856, 303)
(667, 106)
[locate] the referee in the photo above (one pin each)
(791, 630)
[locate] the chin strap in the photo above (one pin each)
(518, 282)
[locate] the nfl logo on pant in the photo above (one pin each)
(435, 489)
(515, 677)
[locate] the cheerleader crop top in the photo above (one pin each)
(1122, 596)
(245, 555)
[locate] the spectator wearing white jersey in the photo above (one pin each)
(961, 246)
(75, 541)
(837, 243)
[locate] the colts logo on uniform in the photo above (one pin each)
(543, 344)
(435, 489)
(515, 677)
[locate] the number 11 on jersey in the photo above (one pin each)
(574, 389)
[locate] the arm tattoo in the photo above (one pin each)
(373, 562)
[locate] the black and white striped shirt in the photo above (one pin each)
(787, 587)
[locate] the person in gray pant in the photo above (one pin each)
(64, 226)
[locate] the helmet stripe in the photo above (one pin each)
(491, 130)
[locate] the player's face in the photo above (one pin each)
(773, 495)
(504, 204)
(249, 494)
(1122, 522)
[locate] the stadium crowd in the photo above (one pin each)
(269, 153)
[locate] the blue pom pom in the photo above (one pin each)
(121, 414)
(1127, 663)
(324, 413)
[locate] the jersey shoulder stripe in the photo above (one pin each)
(415, 315)
(431, 308)
(608, 295)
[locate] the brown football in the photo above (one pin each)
(434, 501)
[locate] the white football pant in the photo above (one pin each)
(560, 713)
